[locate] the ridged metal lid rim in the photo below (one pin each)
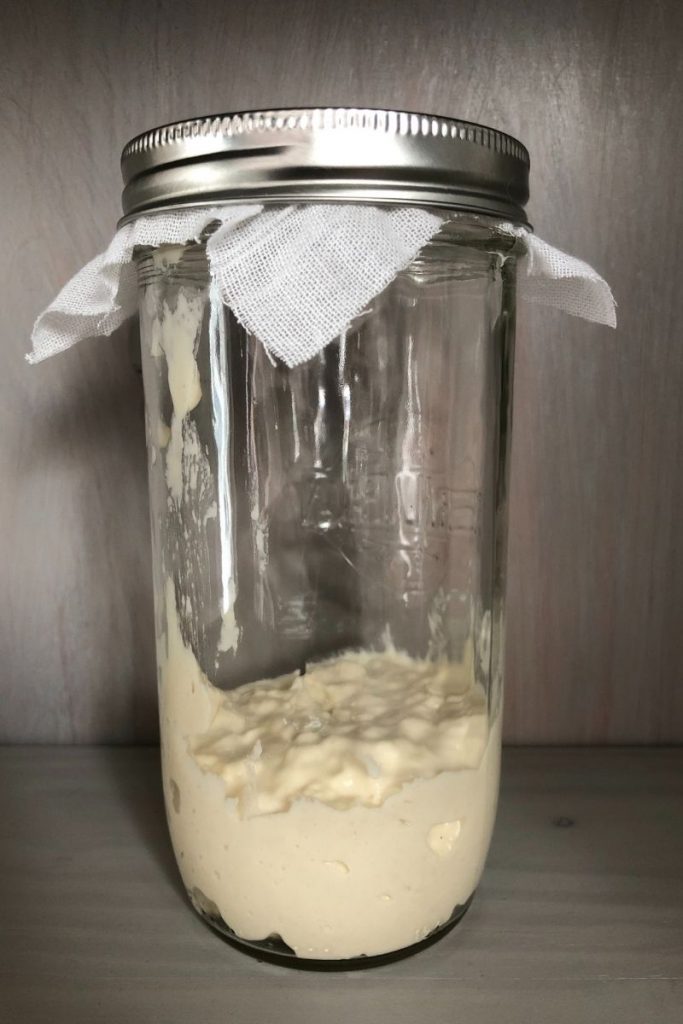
(310, 154)
(399, 122)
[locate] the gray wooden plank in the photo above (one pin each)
(572, 922)
(596, 580)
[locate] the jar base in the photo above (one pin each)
(273, 950)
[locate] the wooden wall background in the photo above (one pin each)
(595, 649)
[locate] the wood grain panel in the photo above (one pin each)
(570, 924)
(595, 648)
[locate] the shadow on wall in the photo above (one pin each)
(88, 456)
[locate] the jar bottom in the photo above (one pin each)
(273, 950)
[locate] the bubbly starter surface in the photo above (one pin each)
(348, 810)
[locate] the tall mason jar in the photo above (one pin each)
(329, 545)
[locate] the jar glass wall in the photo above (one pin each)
(329, 548)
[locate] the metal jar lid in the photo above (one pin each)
(331, 154)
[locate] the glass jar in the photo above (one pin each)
(329, 557)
